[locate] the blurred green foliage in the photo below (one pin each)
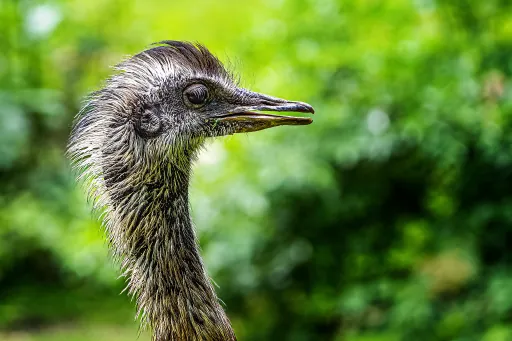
(389, 218)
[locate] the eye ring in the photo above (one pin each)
(196, 95)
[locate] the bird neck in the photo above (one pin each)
(161, 256)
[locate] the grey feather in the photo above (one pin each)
(137, 173)
(133, 145)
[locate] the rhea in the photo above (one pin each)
(133, 144)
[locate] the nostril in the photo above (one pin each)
(266, 102)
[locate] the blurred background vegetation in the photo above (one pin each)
(389, 218)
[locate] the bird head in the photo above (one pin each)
(193, 96)
(190, 95)
(161, 106)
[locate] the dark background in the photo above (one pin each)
(389, 218)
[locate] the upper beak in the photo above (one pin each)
(247, 116)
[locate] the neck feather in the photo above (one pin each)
(153, 234)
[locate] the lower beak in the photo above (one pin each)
(249, 117)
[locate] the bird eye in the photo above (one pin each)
(196, 95)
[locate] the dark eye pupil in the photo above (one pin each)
(197, 94)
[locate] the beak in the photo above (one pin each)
(247, 116)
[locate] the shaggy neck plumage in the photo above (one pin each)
(161, 257)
